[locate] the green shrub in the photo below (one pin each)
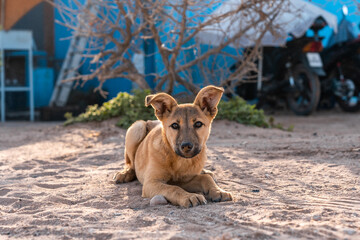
(129, 107)
(238, 110)
(132, 107)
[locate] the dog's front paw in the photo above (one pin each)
(127, 175)
(192, 200)
(219, 195)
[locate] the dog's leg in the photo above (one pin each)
(134, 136)
(126, 175)
(174, 194)
(205, 183)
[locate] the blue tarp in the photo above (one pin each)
(345, 33)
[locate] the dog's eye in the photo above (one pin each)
(198, 124)
(175, 126)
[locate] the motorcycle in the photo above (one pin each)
(342, 66)
(290, 73)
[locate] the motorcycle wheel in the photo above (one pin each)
(348, 94)
(305, 95)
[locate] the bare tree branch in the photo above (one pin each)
(117, 29)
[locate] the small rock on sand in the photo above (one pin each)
(350, 231)
(158, 200)
(317, 217)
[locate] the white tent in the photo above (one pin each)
(293, 17)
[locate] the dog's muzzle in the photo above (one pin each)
(187, 150)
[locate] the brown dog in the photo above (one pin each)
(168, 156)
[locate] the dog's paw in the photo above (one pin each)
(219, 195)
(192, 200)
(127, 175)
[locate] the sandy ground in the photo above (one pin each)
(55, 183)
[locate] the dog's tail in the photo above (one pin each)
(134, 136)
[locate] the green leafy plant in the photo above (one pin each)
(238, 110)
(130, 107)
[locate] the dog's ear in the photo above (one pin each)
(208, 98)
(162, 103)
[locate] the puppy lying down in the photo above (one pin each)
(167, 156)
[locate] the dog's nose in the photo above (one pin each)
(186, 146)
